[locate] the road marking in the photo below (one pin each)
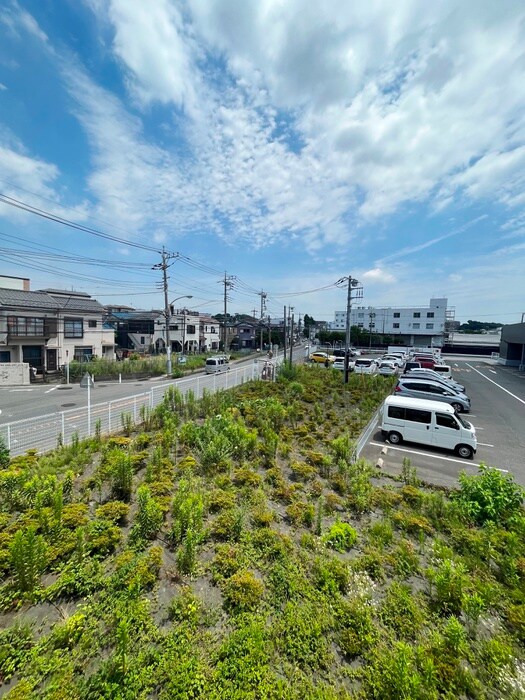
(15, 390)
(427, 454)
(53, 388)
(499, 386)
(493, 371)
(485, 444)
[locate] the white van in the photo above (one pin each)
(217, 363)
(429, 423)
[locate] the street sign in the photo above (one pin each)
(87, 381)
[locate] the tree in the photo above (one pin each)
(308, 322)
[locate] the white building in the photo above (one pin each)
(414, 325)
(51, 327)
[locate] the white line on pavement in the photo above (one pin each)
(485, 444)
(53, 388)
(493, 371)
(498, 385)
(427, 454)
(14, 390)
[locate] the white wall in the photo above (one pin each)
(14, 373)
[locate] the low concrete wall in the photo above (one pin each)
(14, 374)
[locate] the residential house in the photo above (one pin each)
(209, 333)
(50, 327)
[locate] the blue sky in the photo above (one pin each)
(288, 144)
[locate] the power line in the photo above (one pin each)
(11, 201)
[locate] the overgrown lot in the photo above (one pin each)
(232, 548)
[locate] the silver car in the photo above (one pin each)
(424, 373)
(434, 391)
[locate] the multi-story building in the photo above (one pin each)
(51, 327)
(414, 325)
(209, 333)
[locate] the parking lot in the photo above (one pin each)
(498, 414)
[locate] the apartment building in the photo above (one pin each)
(414, 325)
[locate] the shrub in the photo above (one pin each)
(4, 454)
(243, 591)
(401, 611)
(341, 537)
(356, 630)
(489, 496)
(300, 513)
(28, 558)
(448, 580)
(301, 634)
(149, 517)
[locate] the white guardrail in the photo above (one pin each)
(43, 432)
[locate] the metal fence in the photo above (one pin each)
(44, 432)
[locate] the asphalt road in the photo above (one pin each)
(498, 414)
(17, 403)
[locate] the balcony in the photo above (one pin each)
(37, 328)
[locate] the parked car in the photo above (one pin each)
(411, 364)
(435, 376)
(422, 376)
(321, 357)
(393, 358)
(427, 422)
(340, 364)
(433, 391)
(365, 365)
(387, 368)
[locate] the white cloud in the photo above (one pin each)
(378, 275)
(19, 22)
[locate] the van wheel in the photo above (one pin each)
(457, 407)
(464, 451)
(394, 438)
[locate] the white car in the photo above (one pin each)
(365, 365)
(393, 358)
(340, 364)
(388, 368)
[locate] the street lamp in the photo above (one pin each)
(167, 313)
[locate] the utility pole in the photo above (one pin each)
(291, 338)
(284, 332)
(228, 284)
(352, 287)
(269, 333)
(167, 312)
(263, 307)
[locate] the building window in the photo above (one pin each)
(430, 314)
(174, 327)
(360, 315)
(415, 326)
(417, 314)
(92, 324)
(359, 325)
(142, 340)
(25, 326)
(73, 328)
(397, 314)
(395, 325)
(190, 329)
(83, 354)
(430, 326)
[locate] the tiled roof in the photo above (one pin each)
(28, 300)
(45, 301)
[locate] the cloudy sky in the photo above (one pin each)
(286, 144)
